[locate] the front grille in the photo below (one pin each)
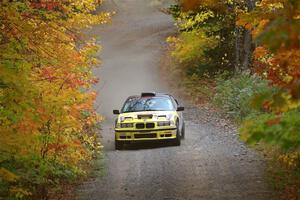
(150, 125)
(140, 125)
(125, 137)
(145, 135)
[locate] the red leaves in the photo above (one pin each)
(273, 122)
(275, 25)
(57, 147)
(48, 5)
(266, 106)
(190, 4)
(48, 73)
(295, 89)
(66, 78)
(282, 68)
(260, 52)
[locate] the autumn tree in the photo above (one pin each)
(262, 89)
(225, 46)
(275, 27)
(47, 120)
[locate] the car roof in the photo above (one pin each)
(142, 95)
(152, 94)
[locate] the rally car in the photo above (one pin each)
(149, 116)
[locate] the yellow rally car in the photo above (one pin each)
(149, 116)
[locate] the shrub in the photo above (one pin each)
(233, 94)
(279, 129)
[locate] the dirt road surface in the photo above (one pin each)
(211, 162)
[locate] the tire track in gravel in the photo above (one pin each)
(211, 162)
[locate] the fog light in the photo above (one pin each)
(166, 123)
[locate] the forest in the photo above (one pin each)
(244, 56)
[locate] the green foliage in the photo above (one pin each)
(234, 94)
(175, 10)
(281, 129)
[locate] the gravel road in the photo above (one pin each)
(210, 164)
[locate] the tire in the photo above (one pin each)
(118, 145)
(183, 131)
(177, 140)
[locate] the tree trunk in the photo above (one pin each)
(243, 44)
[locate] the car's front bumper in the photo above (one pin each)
(135, 135)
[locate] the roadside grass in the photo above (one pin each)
(285, 180)
(283, 172)
(67, 190)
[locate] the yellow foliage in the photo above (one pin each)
(186, 22)
(7, 175)
(20, 193)
(290, 160)
(190, 46)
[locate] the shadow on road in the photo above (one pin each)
(148, 145)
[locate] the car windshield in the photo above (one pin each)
(148, 104)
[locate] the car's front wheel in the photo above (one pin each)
(183, 131)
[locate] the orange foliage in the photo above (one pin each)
(275, 25)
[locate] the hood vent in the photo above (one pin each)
(144, 116)
(128, 118)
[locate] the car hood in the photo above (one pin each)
(148, 115)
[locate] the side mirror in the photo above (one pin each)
(180, 108)
(116, 112)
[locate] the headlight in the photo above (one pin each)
(170, 117)
(166, 123)
(126, 125)
(122, 118)
(173, 123)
